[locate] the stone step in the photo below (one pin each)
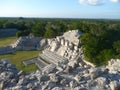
(52, 57)
(42, 61)
(40, 64)
(56, 56)
(47, 58)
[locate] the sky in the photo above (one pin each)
(61, 8)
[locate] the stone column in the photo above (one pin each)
(58, 39)
(62, 41)
(71, 45)
(66, 43)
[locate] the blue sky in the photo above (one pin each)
(61, 8)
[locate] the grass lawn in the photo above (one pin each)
(20, 56)
(7, 40)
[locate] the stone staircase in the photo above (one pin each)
(51, 57)
(44, 59)
(47, 57)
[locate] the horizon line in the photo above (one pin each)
(55, 17)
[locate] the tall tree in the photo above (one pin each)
(38, 30)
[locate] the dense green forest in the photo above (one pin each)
(100, 39)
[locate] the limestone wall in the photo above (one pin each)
(6, 50)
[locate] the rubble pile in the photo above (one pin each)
(74, 75)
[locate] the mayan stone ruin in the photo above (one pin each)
(61, 66)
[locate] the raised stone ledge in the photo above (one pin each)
(7, 50)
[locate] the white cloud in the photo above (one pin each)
(92, 2)
(115, 0)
